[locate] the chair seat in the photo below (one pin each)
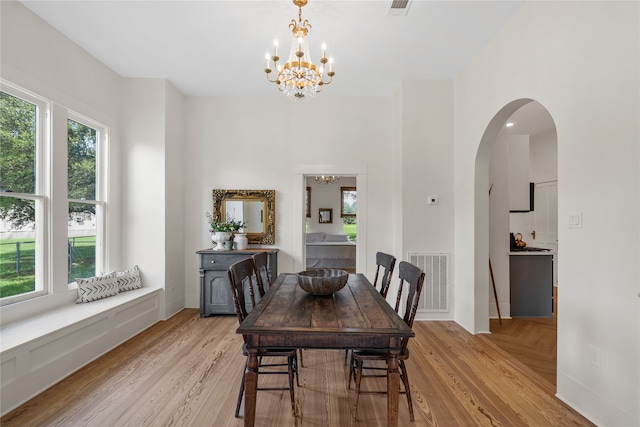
(270, 351)
(378, 355)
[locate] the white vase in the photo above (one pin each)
(219, 237)
(241, 241)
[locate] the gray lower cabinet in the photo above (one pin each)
(215, 293)
(531, 280)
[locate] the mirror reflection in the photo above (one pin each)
(247, 211)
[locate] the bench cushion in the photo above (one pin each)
(129, 280)
(97, 287)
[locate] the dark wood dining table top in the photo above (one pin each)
(357, 316)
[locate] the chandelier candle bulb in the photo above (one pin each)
(275, 48)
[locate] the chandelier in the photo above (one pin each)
(322, 179)
(299, 78)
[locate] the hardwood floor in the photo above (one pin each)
(531, 341)
(186, 372)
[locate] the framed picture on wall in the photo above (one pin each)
(307, 202)
(325, 216)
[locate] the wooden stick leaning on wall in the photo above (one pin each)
(493, 281)
(495, 294)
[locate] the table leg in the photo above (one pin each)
(251, 389)
(393, 390)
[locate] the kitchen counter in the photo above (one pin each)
(535, 252)
(531, 283)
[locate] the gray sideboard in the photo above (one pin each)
(215, 293)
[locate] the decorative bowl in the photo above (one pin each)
(322, 281)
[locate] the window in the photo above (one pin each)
(31, 213)
(83, 148)
(348, 202)
(348, 208)
(22, 199)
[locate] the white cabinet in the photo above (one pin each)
(519, 188)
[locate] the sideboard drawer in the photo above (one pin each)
(217, 262)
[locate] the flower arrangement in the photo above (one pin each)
(231, 225)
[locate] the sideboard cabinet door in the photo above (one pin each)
(215, 293)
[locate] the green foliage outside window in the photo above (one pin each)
(17, 158)
(82, 148)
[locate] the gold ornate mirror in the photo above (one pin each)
(257, 208)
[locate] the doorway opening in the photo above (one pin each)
(331, 219)
(518, 153)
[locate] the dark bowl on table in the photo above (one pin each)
(322, 281)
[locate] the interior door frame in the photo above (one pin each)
(301, 172)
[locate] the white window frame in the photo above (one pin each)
(100, 202)
(42, 193)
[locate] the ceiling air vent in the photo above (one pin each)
(398, 7)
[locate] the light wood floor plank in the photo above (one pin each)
(186, 372)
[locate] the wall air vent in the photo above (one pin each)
(398, 7)
(435, 291)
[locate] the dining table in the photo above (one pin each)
(355, 317)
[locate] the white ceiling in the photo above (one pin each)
(217, 48)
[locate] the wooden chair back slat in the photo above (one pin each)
(387, 263)
(260, 261)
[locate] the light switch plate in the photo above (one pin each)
(575, 219)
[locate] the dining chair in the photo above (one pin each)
(260, 261)
(387, 263)
(240, 278)
(414, 277)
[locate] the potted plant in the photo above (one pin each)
(222, 232)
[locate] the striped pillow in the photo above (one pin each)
(98, 287)
(129, 279)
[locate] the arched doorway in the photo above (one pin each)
(517, 160)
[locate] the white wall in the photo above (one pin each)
(143, 133)
(265, 143)
(543, 156)
(174, 202)
(426, 170)
(152, 132)
(580, 60)
(427, 166)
